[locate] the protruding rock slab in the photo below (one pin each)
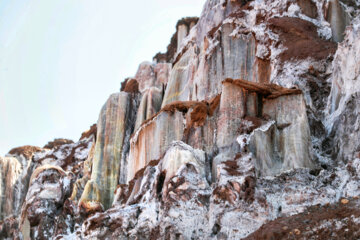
(153, 138)
(232, 111)
(180, 86)
(180, 154)
(285, 144)
(115, 125)
(150, 104)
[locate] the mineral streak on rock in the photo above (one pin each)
(10, 170)
(15, 171)
(338, 19)
(285, 145)
(150, 104)
(116, 122)
(153, 138)
(343, 103)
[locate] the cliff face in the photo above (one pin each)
(247, 127)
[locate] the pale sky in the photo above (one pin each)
(61, 59)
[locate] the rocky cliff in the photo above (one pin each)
(246, 128)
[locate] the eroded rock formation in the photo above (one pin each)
(246, 128)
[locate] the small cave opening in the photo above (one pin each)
(216, 229)
(160, 183)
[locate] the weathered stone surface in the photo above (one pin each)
(183, 28)
(15, 172)
(10, 186)
(152, 139)
(343, 105)
(41, 215)
(150, 104)
(115, 124)
(181, 76)
(338, 19)
(285, 145)
(180, 154)
(232, 111)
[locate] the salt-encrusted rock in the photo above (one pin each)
(152, 139)
(42, 216)
(338, 18)
(178, 155)
(15, 172)
(286, 144)
(343, 120)
(115, 124)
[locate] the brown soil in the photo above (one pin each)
(88, 133)
(256, 122)
(214, 104)
(307, 225)
(58, 142)
(9, 228)
(130, 85)
(308, 8)
(86, 209)
(301, 39)
(268, 90)
(26, 151)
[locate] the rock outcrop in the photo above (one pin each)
(246, 128)
(116, 123)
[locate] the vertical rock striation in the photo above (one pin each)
(115, 124)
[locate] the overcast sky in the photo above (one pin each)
(61, 59)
